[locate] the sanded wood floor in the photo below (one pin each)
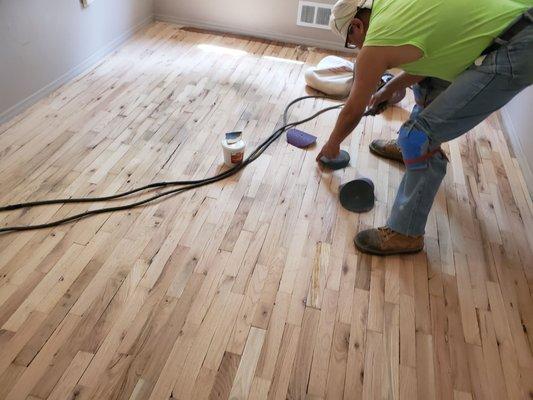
(249, 288)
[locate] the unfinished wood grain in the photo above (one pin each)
(250, 287)
(247, 366)
(225, 376)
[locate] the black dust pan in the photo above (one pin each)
(357, 195)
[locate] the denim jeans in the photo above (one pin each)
(447, 111)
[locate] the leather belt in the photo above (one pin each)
(515, 28)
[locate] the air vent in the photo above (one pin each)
(314, 14)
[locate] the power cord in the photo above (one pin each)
(185, 185)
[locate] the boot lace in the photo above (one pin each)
(386, 233)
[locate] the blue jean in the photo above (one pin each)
(445, 112)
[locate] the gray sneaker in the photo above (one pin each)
(386, 149)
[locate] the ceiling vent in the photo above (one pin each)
(315, 15)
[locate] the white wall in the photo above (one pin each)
(45, 43)
(518, 121)
(271, 19)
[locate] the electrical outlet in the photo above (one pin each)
(86, 3)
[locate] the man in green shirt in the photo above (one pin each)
(464, 59)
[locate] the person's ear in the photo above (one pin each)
(358, 26)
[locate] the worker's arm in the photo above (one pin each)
(402, 81)
(399, 82)
(371, 64)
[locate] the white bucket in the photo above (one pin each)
(233, 147)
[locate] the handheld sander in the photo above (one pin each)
(343, 159)
(358, 195)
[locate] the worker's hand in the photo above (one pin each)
(381, 96)
(330, 150)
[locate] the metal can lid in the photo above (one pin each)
(233, 137)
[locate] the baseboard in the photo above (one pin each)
(514, 139)
(74, 72)
(323, 44)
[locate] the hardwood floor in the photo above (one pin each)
(251, 287)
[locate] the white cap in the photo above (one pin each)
(343, 12)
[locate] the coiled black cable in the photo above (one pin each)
(185, 185)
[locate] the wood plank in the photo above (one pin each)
(71, 376)
(322, 352)
(304, 354)
(355, 367)
(338, 361)
(242, 383)
(225, 376)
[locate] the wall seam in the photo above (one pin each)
(292, 39)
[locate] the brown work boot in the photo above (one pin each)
(386, 149)
(384, 241)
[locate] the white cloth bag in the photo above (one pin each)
(333, 76)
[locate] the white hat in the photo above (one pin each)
(343, 12)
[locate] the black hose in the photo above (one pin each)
(186, 185)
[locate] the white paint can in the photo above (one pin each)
(233, 147)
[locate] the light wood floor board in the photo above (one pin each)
(250, 288)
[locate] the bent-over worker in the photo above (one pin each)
(464, 59)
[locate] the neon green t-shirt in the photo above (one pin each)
(451, 33)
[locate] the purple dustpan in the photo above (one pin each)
(300, 139)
